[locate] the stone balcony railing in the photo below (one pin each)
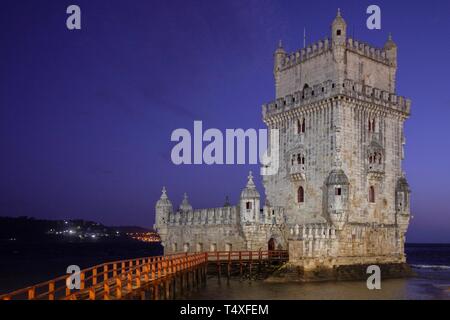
(312, 231)
(297, 169)
(377, 168)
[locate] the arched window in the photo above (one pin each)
(300, 195)
(301, 125)
(248, 205)
(371, 125)
(372, 194)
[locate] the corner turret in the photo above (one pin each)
(279, 56)
(250, 201)
(185, 206)
(339, 30)
(391, 50)
(337, 186)
(163, 210)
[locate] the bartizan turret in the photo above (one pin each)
(339, 38)
(337, 186)
(402, 206)
(391, 51)
(250, 202)
(163, 211)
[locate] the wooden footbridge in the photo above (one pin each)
(162, 277)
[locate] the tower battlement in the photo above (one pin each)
(336, 58)
(329, 89)
(322, 46)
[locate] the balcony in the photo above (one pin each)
(375, 170)
(297, 171)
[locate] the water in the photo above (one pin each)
(23, 265)
(431, 263)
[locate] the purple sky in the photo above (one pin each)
(86, 116)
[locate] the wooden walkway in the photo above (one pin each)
(161, 277)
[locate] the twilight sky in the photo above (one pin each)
(86, 116)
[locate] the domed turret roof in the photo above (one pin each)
(402, 184)
(337, 177)
(227, 202)
(185, 206)
(280, 48)
(250, 190)
(164, 200)
(339, 20)
(390, 44)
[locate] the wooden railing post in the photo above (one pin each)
(129, 281)
(51, 290)
(146, 273)
(106, 291)
(153, 270)
(138, 278)
(82, 280)
(94, 276)
(67, 284)
(114, 270)
(91, 293)
(105, 272)
(118, 288)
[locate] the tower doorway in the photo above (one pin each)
(271, 244)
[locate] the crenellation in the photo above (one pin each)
(329, 89)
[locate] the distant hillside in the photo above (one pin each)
(31, 229)
(131, 229)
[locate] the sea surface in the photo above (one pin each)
(431, 263)
(26, 264)
(22, 265)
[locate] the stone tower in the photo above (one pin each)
(340, 122)
(339, 197)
